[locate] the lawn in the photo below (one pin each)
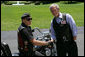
(11, 15)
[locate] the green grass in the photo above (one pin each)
(11, 15)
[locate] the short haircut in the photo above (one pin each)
(54, 5)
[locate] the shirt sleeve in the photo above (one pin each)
(52, 31)
(27, 34)
(72, 24)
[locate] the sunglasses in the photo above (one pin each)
(28, 19)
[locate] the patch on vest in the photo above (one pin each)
(63, 22)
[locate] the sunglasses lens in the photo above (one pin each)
(29, 19)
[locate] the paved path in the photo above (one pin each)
(10, 37)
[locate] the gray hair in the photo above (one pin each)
(54, 5)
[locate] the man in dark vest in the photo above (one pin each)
(26, 41)
(64, 31)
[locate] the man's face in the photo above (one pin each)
(55, 11)
(27, 22)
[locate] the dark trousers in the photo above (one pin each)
(69, 48)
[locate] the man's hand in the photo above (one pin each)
(74, 38)
(50, 42)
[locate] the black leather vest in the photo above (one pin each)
(22, 40)
(63, 31)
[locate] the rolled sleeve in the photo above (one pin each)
(72, 24)
(52, 31)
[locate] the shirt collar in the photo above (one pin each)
(29, 27)
(24, 25)
(60, 15)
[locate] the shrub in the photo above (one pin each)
(10, 2)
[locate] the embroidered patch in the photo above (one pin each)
(63, 22)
